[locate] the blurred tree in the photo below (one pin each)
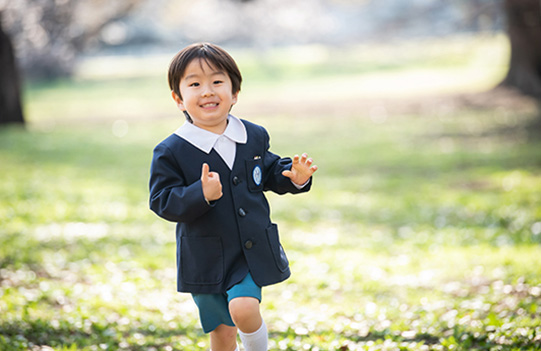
(10, 101)
(50, 34)
(524, 30)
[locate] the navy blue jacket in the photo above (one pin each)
(220, 242)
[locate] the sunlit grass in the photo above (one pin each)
(402, 241)
(421, 232)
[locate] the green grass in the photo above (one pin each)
(421, 232)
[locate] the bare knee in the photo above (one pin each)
(242, 308)
(245, 313)
(223, 338)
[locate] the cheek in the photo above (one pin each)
(186, 97)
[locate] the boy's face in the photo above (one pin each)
(206, 96)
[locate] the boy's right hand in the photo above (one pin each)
(212, 187)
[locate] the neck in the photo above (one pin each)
(216, 129)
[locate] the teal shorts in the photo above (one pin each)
(214, 308)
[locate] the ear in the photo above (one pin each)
(235, 98)
(178, 101)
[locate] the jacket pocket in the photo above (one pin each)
(277, 250)
(201, 260)
(254, 169)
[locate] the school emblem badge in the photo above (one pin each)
(257, 175)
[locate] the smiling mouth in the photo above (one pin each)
(213, 104)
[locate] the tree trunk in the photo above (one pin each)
(10, 98)
(524, 30)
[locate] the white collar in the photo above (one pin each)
(205, 140)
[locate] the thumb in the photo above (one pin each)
(205, 172)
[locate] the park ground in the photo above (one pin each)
(421, 232)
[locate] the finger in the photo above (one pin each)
(287, 174)
(205, 171)
(214, 175)
(304, 157)
(309, 162)
(296, 159)
(314, 168)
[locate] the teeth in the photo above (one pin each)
(210, 105)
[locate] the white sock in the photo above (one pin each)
(256, 341)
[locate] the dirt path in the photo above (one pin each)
(424, 105)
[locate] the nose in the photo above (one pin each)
(208, 91)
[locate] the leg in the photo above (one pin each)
(245, 313)
(216, 320)
(223, 338)
(252, 329)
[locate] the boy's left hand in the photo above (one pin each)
(301, 169)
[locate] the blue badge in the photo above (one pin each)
(257, 175)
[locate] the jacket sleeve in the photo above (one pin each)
(170, 196)
(274, 166)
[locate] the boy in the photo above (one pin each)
(209, 177)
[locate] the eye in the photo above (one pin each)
(218, 81)
(194, 84)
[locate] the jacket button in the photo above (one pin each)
(236, 180)
(242, 213)
(248, 244)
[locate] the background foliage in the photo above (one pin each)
(422, 231)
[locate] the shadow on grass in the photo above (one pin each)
(518, 117)
(32, 333)
(25, 335)
(453, 339)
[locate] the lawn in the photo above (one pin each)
(422, 230)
